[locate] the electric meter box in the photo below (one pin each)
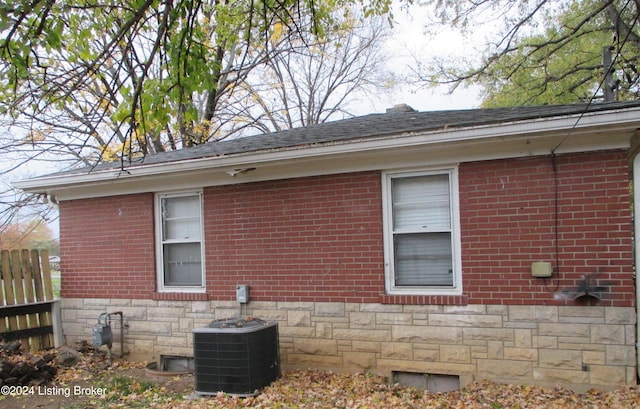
(242, 293)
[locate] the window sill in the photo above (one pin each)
(178, 296)
(424, 299)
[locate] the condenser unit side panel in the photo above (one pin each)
(235, 362)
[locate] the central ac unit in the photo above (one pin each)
(235, 356)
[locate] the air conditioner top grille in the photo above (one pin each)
(234, 325)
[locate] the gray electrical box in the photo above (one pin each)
(242, 293)
(102, 334)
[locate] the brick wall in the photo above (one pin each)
(107, 247)
(508, 218)
(305, 239)
(320, 239)
(311, 251)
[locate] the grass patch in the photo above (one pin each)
(129, 392)
(55, 284)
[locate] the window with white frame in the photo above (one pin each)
(180, 245)
(421, 232)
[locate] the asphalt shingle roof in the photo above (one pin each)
(399, 121)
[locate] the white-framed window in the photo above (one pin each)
(421, 232)
(180, 245)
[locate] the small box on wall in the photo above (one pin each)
(541, 269)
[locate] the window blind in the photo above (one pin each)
(422, 237)
(181, 240)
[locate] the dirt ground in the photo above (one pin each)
(92, 382)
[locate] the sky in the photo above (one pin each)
(408, 39)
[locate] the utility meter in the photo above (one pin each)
(242, 293)
(102, 331)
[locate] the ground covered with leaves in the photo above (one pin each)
(91, 384)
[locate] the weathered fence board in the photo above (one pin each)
(7, 285)
(40, 294)
(26, 298)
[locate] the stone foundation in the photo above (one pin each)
(577, 347)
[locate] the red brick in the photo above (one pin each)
(107, 247)
(320, 238)
(594, 224)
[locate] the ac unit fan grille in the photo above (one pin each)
(235, 362)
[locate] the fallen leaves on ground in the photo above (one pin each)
(128, 385)
(314, 389)
(90, 366)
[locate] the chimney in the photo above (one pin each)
(399, 108)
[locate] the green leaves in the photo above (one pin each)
(545, 53)
(144, 75)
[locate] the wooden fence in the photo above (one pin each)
(28, 310)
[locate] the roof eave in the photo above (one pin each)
(570, 125)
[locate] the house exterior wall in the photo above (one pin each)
(311, 250)
(508, 221)
(107, 247)
(310, 239)
(578, 347)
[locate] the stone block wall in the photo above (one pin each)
(578, 347)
